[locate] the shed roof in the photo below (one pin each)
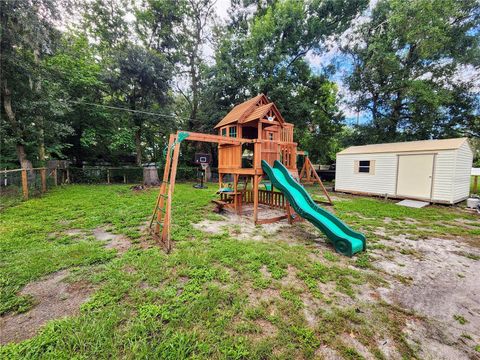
(240, 110)
(409, 146)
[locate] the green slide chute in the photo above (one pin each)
(345, 240)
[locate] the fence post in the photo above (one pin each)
(55, 176)
(68, 176)
(25, 184)
(108, 176)
(475, 184)
(124, 178)
(43, 176)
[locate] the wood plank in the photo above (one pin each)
(271, 220)
(194, 136)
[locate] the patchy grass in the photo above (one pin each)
(370, 214)
(213, 297)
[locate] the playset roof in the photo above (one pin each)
(252, 109)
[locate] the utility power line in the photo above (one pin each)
(128, 110)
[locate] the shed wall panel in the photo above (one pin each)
(381, 182)
(463, 168)
(443, 176)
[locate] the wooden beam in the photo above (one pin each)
(194, 136)
(168, 211)
(271, 220)
(163, 187)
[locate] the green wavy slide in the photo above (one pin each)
(345, 240)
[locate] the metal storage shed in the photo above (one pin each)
(431, 170)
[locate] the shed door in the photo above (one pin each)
(415, 173)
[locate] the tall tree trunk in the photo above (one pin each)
(138, 146)
(391, 132)
(22, 157)
(41, 143)
(40, 120)
(10, 115)
(193, 73)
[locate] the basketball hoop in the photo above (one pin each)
(203, 160)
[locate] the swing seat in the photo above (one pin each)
(224, 190)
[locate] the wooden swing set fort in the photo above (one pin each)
(251, 132)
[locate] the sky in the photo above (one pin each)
(344, 65)
(318, 62)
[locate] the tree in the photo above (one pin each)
(29, 93)
(405, 63)
(267, 54)
(140, 79)
(193, 36)
(136, 62)
(79, 74)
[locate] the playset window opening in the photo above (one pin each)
(232, 131)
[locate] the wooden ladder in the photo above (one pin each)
(161, 216)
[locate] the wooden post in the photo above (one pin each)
(289, 213)
(256, 182)
(163, 187)
(235, 190)
(124, 178)
(43, 176)
(271, 195)
(108, 176)
(168, 211)
(68, 175)
(55, 181)
(25, 184)
(475, 184)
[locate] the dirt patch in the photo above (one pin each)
(440, 284)
(242, 227)
(351, 341)
(268, 329)
(310, 308)
(114, 241)
(324, 352)
(73, 232)
(258, 296)
(55, 299)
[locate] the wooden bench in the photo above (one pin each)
(220, 205)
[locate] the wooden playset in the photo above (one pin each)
(251, 132)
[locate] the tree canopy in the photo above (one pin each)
(106, 81)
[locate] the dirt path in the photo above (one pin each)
(438, 279)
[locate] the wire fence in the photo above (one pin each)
(23, 184)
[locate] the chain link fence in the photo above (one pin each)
(17, 185)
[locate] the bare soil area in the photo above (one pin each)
(54, 297)
(435, 279)
(438, 279)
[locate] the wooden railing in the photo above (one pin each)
(286, 133)
(288, 155)
(274, 199)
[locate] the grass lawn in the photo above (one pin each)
(215, 296)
